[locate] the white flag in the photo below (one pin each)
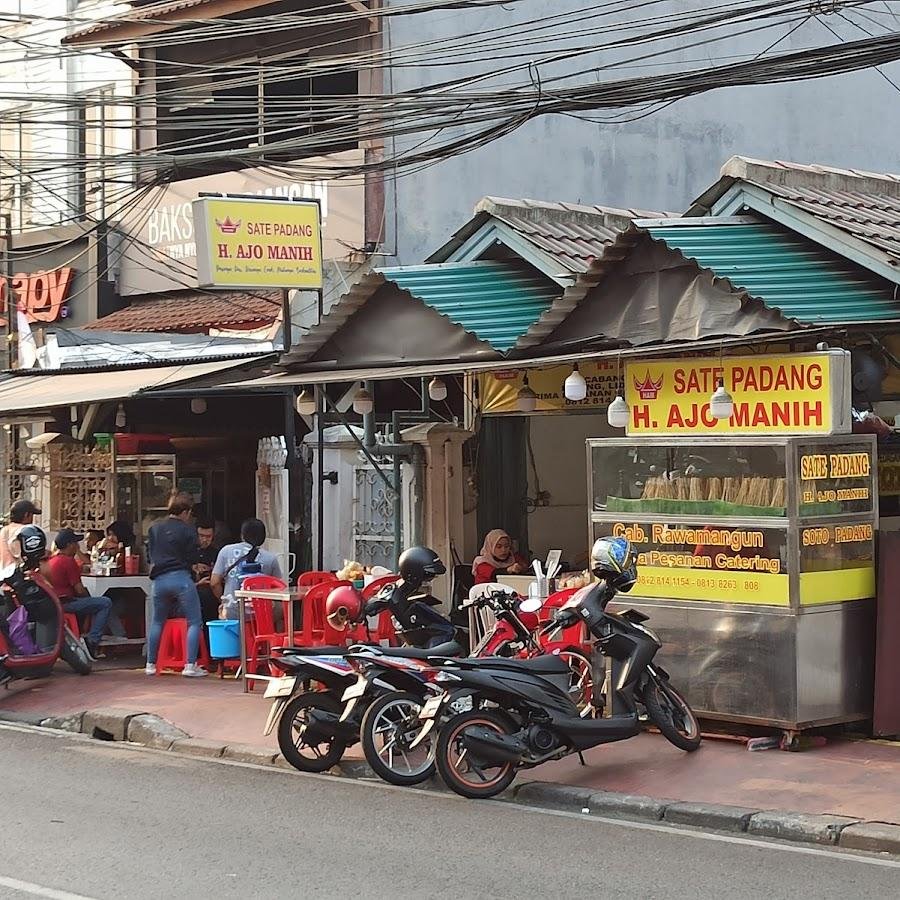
(27, 346)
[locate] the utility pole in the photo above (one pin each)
(11, 311)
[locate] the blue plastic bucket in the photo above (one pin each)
(224, 639)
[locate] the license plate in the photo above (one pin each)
(355, 690)
(431, 707)
(280, 687)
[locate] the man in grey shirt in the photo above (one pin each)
(226, 574)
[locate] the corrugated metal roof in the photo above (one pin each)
(496, 301)
(787, 272)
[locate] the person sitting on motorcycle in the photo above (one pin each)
(497, 557)
(65, 576)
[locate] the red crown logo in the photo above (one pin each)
(648, 388)
(228, 227)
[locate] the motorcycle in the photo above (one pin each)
(393, 696)
(315, 726)
(308, 700)
(531, 718)
(33, 632)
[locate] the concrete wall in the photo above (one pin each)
(660, 162)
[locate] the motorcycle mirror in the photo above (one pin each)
(531, 605)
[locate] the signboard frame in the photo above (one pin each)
(265, 240)
(771, 393)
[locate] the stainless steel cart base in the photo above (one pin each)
(770, 667)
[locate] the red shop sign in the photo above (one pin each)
(42, 295)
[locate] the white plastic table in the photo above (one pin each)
(98, 585)
(286, 596)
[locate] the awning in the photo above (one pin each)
(429, 370)
(22, 393)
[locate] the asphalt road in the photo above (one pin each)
(86, 819)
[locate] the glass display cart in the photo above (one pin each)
(756, 567)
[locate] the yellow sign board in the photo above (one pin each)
(251, 243)
(498, 390)
(706, 563)
(803, 393)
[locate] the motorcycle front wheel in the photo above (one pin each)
(75, 654)
(388, 728)
(463, 774)
(672, 715)
(301, 754)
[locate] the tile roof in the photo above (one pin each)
(191, 312)
(149, 13)
(574, 233)
(873, 218)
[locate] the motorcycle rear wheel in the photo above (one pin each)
(385, 736)
(75, 654)
(462, 775)
(672, 715)
(290, 738)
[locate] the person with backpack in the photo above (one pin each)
(174, 549)
(233, 559)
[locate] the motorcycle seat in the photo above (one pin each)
(450, 648)
(548, 664)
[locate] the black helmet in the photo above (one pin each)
(34, 545)
(613, 559)
(420, 564)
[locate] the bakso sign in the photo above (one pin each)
(249, 243)
(802, 393)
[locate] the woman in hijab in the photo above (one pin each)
(497, 557)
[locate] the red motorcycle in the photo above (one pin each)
(33, 632)
(523, 629)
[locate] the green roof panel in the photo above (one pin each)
(784, 270)
(496, 301)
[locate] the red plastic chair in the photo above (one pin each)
(313, 628)
(173, 647)
(311, 579)
(574, 634)
(264, 635)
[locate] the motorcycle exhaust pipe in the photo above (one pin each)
(486, 745)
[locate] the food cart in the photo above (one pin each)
(755, 534)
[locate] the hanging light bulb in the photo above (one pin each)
(363, 403)
(120, 417)
(437, 389)
(526, 398)
(721, 403)
(306, 403)
(198, 406)
(575, 388)
(617, 413)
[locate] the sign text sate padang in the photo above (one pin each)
(251, 243)
(799, 393)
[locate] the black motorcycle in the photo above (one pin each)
(318, 704)
(523, 714)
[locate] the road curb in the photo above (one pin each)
(147, 729)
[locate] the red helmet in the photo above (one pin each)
(343, 606)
